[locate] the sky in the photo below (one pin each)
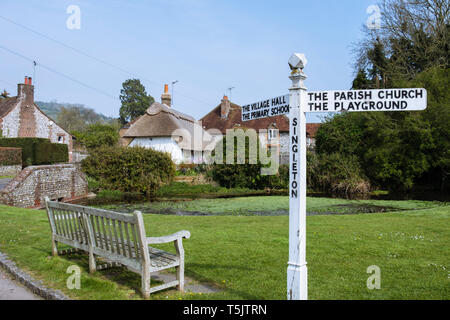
(207, 46)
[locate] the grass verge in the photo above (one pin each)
(245, 256)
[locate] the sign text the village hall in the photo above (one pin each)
(266, 108)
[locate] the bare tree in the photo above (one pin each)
(413, 37)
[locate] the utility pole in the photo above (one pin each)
(229, 90)
(34, 72)
(173, 83)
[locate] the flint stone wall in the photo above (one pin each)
(61, 182)
(10, 170)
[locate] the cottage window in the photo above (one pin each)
(273, 134)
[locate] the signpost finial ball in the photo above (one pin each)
(297, 61)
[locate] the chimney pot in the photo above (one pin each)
(225, 107)
(165, 97)
(25, 91)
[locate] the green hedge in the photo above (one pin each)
(38, 151)
(48, 153)
(133, 169)
(10, 156)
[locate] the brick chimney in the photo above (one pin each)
(225, 107)
(165, 97)
(25, 91)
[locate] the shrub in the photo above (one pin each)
(37, 151)
(98, 135)
(135, 169)
(247, 175)
(190, 169)
(281, 179)
(10, 156)
(93, 184)
(336, 174)
(233, 175)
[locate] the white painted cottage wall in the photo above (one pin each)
(163, 144)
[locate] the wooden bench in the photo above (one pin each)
(118, 238)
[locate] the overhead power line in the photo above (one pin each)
(98, 60)
(58, 72)
(71, 48)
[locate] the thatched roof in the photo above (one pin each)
(162, 121)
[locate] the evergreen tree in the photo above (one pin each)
(361, 82)
(135, 100)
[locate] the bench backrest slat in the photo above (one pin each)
(92, 211)
(136, 247)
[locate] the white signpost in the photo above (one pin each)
(297, 104)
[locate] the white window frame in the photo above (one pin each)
(272, 134)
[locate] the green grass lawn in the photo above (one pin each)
(7, 177)
(246, 256)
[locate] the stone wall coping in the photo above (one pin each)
(29, 170)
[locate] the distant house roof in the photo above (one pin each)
(162, 121)
(6, 105)
(311, 129)
(214, 120)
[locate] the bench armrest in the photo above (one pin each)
(176, 236)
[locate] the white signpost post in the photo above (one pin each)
(297, 104)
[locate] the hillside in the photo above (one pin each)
(53, 108)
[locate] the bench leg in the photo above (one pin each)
(92, 263)
(180, 269)
(54, 247)
(180, 278)
(146, 282)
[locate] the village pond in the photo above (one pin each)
(256, 205)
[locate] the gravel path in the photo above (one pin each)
(11, 290)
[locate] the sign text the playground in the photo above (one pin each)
(367, 100)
